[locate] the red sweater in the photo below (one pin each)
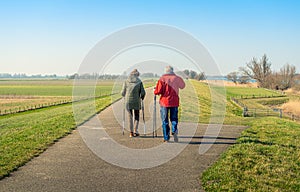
(168, 88)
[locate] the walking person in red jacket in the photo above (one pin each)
(168, 88)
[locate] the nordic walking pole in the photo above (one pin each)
(123, 116)
(143, 112)
(154, 116)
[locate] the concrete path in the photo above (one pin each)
(70, 165)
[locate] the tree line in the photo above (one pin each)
(260, 70)
(185, 73)
(24, 76)
(194, 75)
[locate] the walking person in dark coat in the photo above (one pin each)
(133, 91)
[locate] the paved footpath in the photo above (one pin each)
(69, 165)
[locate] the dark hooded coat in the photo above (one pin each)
(133, 91)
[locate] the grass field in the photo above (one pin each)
(48, 88)
(25, 135)
(264, 103)
(16, 104)
(249, 92)
(20, 95)
(57, 87)
(265, 158)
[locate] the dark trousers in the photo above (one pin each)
(133, 119)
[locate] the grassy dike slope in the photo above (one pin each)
(25, 135)
(265, 158)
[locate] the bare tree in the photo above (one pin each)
(237, 77)
(244, 79)
(296, 85)
(233, 76)
(287, 74)
(186, 72)
(200, 76)
(193, 74)
(273, 81)
(258, 70)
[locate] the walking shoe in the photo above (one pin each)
(175, 137)
(131, 134)
(136, 134)
(166, 141)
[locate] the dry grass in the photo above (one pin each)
(229, 83)
(292, 91)
(292, 107)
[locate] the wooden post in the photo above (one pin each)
(245, 112)
(280, 113)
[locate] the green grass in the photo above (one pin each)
(265, 158)
(250, 92)
(56, 88)
(36, 90)
(51, 87)
(17, 95)
(273, 101)
(25, 135)
(195, 99)
(233, 113)
(264, 103)
(48, 90)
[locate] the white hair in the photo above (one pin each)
(169, 69)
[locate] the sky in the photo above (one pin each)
(55, 36)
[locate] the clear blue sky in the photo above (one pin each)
(53, 36)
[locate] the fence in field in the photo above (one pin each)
(32, 107)
(255, 112)
(238, 102)
(257, 96)
(44, 105)
(293, 116)
(259, 112)
(14, 96)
